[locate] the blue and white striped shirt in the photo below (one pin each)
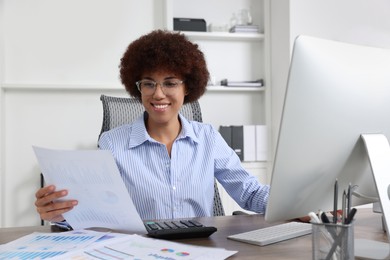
(180, 185)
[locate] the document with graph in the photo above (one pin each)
(51, 245)
(87, 244)
(91, 177)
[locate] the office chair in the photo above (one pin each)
(121, 110)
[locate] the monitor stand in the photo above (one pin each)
(378, 151)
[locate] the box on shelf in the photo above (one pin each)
(189, 24)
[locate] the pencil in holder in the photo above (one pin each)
(333, 241)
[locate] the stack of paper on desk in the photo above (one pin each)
(50, 245)
(92, 177)
(138, 247)
(86, 244)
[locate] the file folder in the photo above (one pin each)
(249, 143)
(261, 143)
(226, 132)
(238, 140)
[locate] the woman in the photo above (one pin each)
(167, 162)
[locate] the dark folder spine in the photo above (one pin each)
(226, 132)
(238, 141)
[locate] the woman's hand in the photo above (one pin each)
(50, 210)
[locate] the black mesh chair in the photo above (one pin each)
(121, 110)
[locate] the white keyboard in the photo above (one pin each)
(273, 234)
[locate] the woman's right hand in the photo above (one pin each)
(48, 206)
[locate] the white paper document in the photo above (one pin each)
(137, 247)
(91, 177)
(48, 245)
(91, 245)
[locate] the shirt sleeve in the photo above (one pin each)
(243, 187)
(104, 142)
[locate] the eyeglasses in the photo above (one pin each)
(148, 87)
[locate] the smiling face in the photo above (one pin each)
(163, 109)
(167, 51)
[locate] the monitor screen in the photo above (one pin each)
(335, 92)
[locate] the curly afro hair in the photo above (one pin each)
(168, 51)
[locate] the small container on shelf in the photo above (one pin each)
(189, 24)
(214, 27)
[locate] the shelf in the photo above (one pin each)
(63, 87)
(235, 89)
(225, 36)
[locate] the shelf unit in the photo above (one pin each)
(237, 57)
(223, 37)
(232, 56)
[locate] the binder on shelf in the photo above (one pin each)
(249, 136)
(261, 143)
(226, 132)
(238, 140)
(249, 142)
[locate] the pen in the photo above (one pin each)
(314, 218)
(336, 191)
(338, 238)
(323, 229)
(319, 214)
(351, 216)
(333, 236)
(344, 209)
(349, 194)
(324, 218)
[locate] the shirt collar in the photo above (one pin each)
(139, 135)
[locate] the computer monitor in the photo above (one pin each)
(335, 93)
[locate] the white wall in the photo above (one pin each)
(2, 176)
(75, 42)
(57, 58)
(356, 21)
(280, 57)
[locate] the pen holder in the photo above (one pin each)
(333, 241)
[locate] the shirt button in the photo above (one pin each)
(173, 187)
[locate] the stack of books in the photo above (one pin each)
(244, 29)
(253, 83)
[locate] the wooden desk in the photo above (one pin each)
(367, 225)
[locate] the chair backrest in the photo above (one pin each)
(123, 110)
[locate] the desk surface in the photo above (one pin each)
(368, 225)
